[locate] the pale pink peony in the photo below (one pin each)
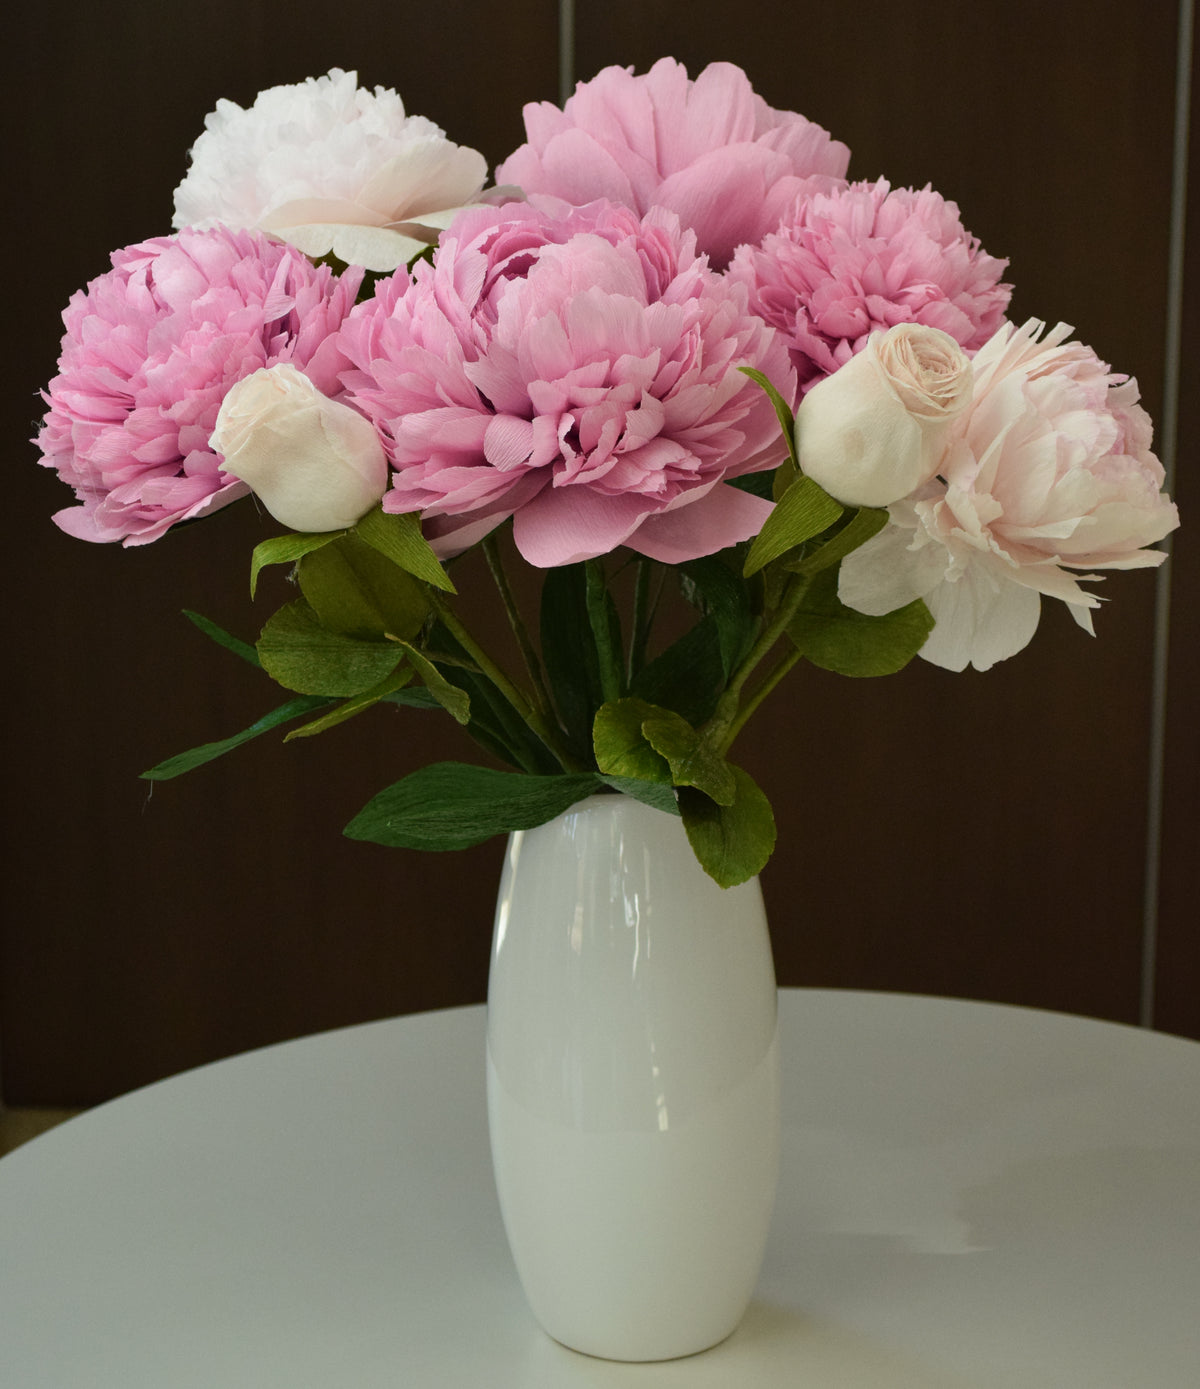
(151, 348)
(329, 167)
(710, 150)
(1048, 469)
(575, 369)
(862, 259)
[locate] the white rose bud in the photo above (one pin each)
(875, 430)
(316, 464)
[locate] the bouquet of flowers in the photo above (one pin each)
(672, 346)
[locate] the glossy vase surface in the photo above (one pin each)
(633, 1082)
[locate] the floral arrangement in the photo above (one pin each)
(672, 346)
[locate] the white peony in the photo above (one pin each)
(329, 167)
(1049, 469)
(315, 464)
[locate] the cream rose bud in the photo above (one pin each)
(316, 464)
(874, 431)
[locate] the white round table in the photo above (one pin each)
(972, 1195)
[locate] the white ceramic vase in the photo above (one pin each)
(633, 1082)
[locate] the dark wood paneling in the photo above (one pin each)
(1178, 972)
(146, 933)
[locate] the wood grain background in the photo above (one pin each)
(977, 835)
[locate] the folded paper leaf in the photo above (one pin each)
(732, 842)
(451, 805)
(207, 752)
(303, 655)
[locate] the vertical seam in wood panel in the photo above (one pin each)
(1168, 434)
(566, 49)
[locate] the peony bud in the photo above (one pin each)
(874, 431)
(316, 464)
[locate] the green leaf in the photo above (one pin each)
(400, 539)
(803, 511)
(721, 594)
(693, 762)
(866, 522)
(302, 655)
(358, 592)
(455, 701)
(606, 629)
(569, 654)
(222, 638)
(286, 549)
(651, 793)
(197, 757)
(837, 638)
(732, 842)
(350, 707)
(412, 697)
(787, 421)
(688, 676)
(451, 805)
(495, 724)
(621, 747)
(785, 475)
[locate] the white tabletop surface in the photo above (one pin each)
(972, 1195)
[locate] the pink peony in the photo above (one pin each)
(1048, 469)
(575, 369)
(151, 348)
(861, 259)
(710, 150)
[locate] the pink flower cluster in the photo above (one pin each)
(710, 150)
(844, 264)
(151, 348)
(575, 369)
(571, 360)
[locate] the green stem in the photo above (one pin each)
(643, 615)
(726, 716)
(773, 677)
(533, 665)
(520, 703)
(600, 618)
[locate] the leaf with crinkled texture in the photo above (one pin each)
(650, 793)
(350, 708)
(287, 549)
(358, 592)
(620, 745)
(837, 638)
(301, 654)
(734, 842)
(400, 539)
(803, 511)
(455, 701)
(693, 762)
(452, 805)
(207, 752)
(223, 638)
(866, 522)
(688, 676)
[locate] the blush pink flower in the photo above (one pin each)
(1049, 469)
(710, 150)
(575, 369)
(862, 259)
(151, 348)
